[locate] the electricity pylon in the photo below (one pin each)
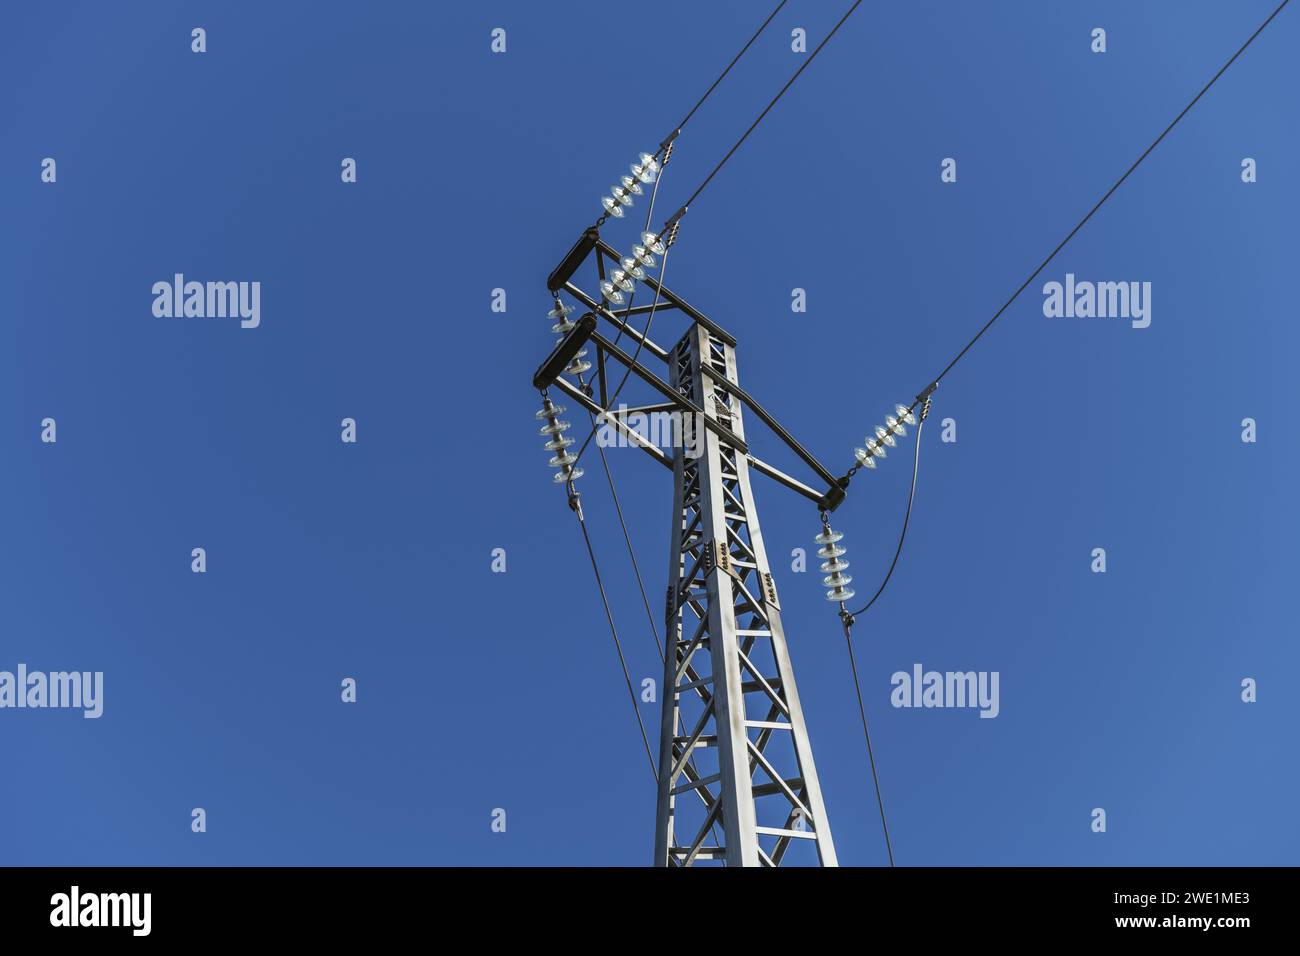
(737, 781)
(728, 683)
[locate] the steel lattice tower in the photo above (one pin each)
(730, 700)
(728, 684)
(736, 777)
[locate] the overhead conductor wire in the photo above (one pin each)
(847, 618)
(669, 230)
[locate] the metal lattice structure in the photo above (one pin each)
(730, 700)
(737, 781)
(729, 687)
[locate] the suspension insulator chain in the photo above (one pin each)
(836, 581)
(553, 429)
(644, 171)
(884, 437)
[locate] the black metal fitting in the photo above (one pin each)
(575, 257)
(564, 352)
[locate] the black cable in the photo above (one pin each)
(668, 140)
(665, 147)
(645, 601)
(907, 517)
(736, 59)
(847, 620)
(636, 568)
(766, 109)
(677, 216)
(871, 756)
(1034, 275)
(1082, 222)
(618, 646)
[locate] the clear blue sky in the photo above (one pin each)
(477, 171)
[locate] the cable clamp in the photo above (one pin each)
(666, 147)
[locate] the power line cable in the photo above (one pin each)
(754, 125)
(907, 517)
(1061, 245)
(645, 601)
(934, 383)
(925, 395)
(871, 755)
(576, 505)
(669, 229)
(847, 618)
(636, 568)
(736, 59)
(665, 147)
